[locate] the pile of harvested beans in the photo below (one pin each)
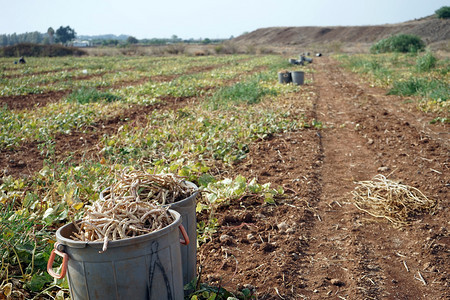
(140, 185)
(396, 202)
(134, 205)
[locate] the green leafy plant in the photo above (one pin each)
(422, 76)
(203, 291)
(443, 120)
(242, 92)
(443, 12)
(399, 43)
(434, 89)
(89, 95)
(317, 124)
(409, 87)
(205, 229)
(426, 62)
(228, 189)
(24, 241)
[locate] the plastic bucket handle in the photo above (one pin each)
(184, 234)
(65, 256)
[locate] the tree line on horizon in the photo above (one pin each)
(65, 35)
(61, 36)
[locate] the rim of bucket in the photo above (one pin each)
(122, 242)
(187, 199)
(180, 201)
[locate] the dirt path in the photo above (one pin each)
(352, 256)
(316, 244)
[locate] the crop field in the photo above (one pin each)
(277, 164)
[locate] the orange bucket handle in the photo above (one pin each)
(185, 240)
(65, 257)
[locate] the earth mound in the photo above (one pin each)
(434, 31)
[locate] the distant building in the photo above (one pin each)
(81, 44)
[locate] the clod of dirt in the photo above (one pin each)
(426, 265)
(248, 218)
(383, 169)
(260, 216)
(230, 219)
(245, 241)
(337, 282)
(213, 278)
(226, 239)
(282, 227)
(268, 247)
(290, 230)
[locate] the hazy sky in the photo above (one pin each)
(201, 18)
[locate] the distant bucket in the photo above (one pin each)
(284, 77)
(142, 267)
(298, 77)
